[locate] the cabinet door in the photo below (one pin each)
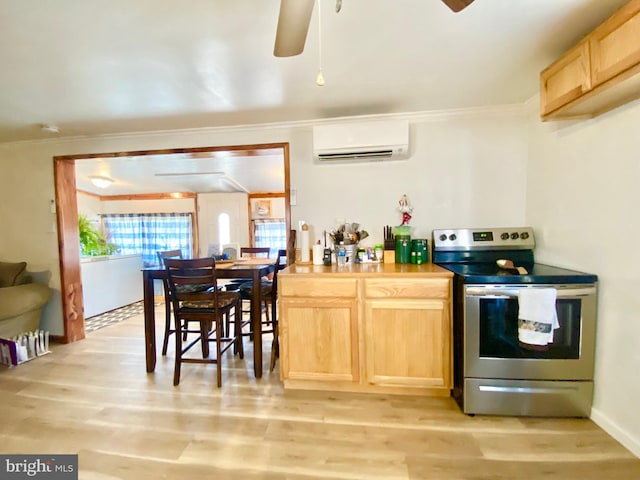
(565, 80)
(319, 339)
(615, 45)
(407, 342)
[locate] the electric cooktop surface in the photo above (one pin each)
(537, 273)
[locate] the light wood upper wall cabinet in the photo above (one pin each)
(602, 72)
(566, 80)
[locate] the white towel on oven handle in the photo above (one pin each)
(537, 315)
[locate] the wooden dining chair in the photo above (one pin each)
(282, 263)
(269, 294)
(231, 250)
(291, 246)
(205, 307)
(247, 252)
(162, 255)
(255, 252)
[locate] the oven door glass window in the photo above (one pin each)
(499, 331)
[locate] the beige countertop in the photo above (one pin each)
(367, 269)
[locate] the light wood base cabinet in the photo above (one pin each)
(366, 333)
(320, 337)
(407, 343)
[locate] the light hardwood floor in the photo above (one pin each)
(94, 398)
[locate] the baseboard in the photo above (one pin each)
(613, 429)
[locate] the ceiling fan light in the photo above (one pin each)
(100, 181)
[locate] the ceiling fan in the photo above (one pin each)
(294, 19)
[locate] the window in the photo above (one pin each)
(270, 233)
(148, 233)
(224, 228)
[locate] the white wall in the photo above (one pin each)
(90, 205)
(582, 197)
(467, 169)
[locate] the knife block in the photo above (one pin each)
(389, 256)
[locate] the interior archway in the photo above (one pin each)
(67, 217)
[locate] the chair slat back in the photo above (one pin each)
(232, 250)
(255, 252)
(168, 254)
(192, 279)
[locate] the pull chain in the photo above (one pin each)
(320, 77)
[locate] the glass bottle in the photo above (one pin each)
(341, 255)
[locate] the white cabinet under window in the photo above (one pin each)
(110, 282)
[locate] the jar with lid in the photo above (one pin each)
(379, 252)
(403, 248)
(419, 251)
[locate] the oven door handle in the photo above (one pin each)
(513, 292)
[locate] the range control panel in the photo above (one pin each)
(514, 238)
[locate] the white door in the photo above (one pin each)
(212, 207)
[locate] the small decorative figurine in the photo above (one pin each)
(405, 209)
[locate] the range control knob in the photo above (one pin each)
(443, 237)
(524, 235)
(452, 237)
(504, 236)
(515, 235)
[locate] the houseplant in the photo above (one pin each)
(93, 241)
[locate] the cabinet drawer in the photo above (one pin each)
(314, 287)
(407, 287)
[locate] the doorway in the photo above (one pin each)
(67, 217)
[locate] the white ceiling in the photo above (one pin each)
(250, 171)
(111, 66)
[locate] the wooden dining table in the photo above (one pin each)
(250, 268)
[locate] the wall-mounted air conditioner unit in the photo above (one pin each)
(368, 141)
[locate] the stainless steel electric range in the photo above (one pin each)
(495, 370)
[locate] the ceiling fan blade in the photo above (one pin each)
(293, 25)
(457, 5)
